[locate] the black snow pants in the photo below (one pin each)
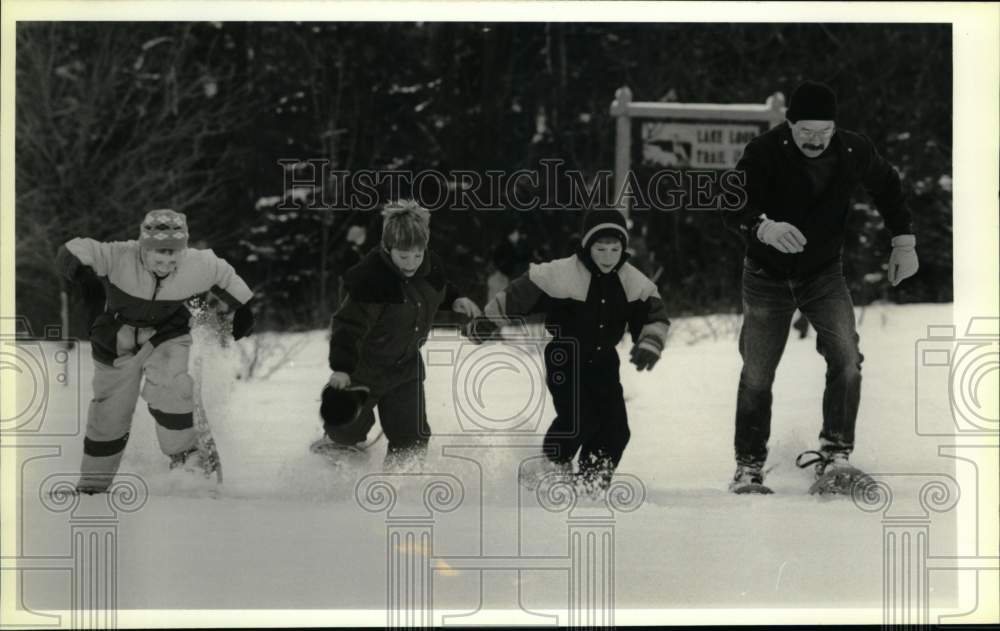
(590, 410)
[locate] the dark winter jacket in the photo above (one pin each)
(385, 317)
(586, 307)
(778, 185)
(140, 306)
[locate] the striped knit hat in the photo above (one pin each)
(604, 223)
(163, 229)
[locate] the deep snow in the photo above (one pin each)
(285, 531)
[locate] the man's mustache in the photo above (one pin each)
(814, 147)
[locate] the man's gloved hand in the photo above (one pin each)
(646, 353)
(783, 237)
(243, 322)
(903, 260)
(480, 330)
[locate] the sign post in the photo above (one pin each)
(693, 135)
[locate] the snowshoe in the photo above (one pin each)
(209, 455)
(749, 480)
(834, 474)
(199, 460)
(338, 453)
(88, 488)
(208, 461)
(181, 459)
(591, 487)
(749, 488)
(81, 489)
(593, 478)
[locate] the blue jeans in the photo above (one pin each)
(768, 305)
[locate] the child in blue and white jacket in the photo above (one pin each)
(589, 299)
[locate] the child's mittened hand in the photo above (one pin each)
(480, 330)
(466, 307)
(644, 356)
(340, 380)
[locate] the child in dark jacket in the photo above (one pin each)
(588, 300)
(391, 297)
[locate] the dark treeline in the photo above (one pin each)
(114, 119)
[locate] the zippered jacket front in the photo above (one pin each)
(140, 305)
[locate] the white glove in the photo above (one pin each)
(340, 380)
(783, 237)
(903, 260)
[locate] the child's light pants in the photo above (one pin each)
(168, 390)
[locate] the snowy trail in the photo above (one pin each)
(286, 530)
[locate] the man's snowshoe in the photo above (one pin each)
(834, 474)
(749, 488)
(749, 480)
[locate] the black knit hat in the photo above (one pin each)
(604, 223)
(812, 101)
(341, 406)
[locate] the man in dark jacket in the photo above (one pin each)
(799, 178)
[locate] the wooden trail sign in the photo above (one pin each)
(687, 135)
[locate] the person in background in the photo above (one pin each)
(350, 254)
(510, 259)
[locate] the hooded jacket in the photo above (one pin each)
(590, 308)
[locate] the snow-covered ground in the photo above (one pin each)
(286, 530)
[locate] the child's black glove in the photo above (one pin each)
(243, 322)
(91, 288)
(480, 330)
(72, 268)
(646, 353)
(174, 326)
(83, 276)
